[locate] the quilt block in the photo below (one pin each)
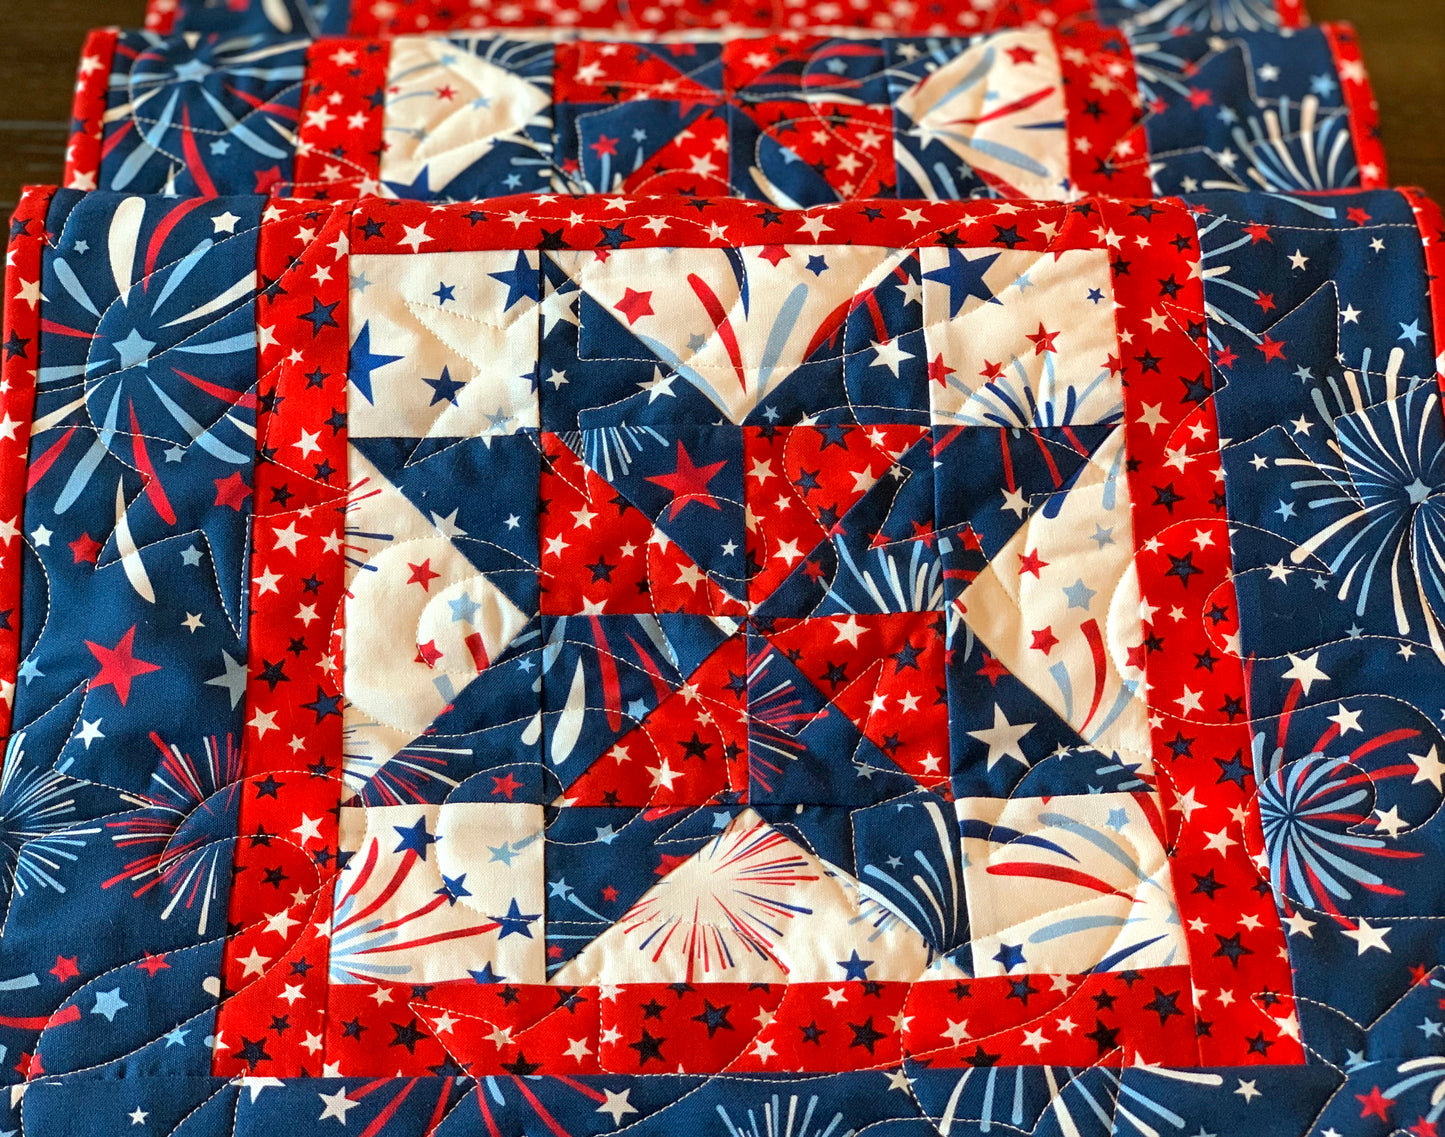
(793, 119)
(583, 664)
(394, 17)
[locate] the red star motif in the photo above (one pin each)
(1357, 215)
(1423, 1128)
(1021, 54)
(1265, 300)
(118, 665)
(446, 93)
(992, 371)
(1375, 1103)
(1198, 97)
(1258, 233)
(813, 570)
(609, 894)
(153, 963)
(1032, 562)
(232, 491)
(1273, 349)
(938, 371)
(1044, 640)
(85, 548)
(506, 786)
(992, 669)
(634, 305)
(688, 483)
(773, 254)
(66, 967)
(267, 180)
(922, 531)
(1226, 357)
(1042, 340)
(666, 863)
(422, 574)
(428, 653)
(604, 146)
(1137, 655)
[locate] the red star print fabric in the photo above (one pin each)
(586, 663)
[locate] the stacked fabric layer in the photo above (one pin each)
(777, 571)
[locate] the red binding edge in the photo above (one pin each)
(19, 357)
(1360, 103)
(92, 79)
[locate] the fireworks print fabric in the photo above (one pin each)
(902, 671)
(791, 119)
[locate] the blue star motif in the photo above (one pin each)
(514, 922)
(1009, 955)
(453, 888)
(964, 277)
(487, 975)
(855, 968)
(464, 608)
(1118, 818)
(445, 292)
(1079, 594)
(107, 1003)
(443, 389)
(1411, 331)
(364, 361)
(414, 838)
(522, 280)
(817, 265)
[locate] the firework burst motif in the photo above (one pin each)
(1376, 494)
(155, 369)
(798, 1117)
(207, 111)
(180, 836)
(728, 902)
(37, 824)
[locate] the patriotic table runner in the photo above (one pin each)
(796, 120)
(393, 17)
(574, 664)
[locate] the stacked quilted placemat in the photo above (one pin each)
(778, 571)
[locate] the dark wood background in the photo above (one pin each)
(1404, 45)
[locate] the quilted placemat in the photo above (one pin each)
(794, 120)
(626, 17)
(563, 665)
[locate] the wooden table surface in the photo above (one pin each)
(1404, 45)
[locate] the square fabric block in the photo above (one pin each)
(688, 662)
(1051, 111)
(405, 888)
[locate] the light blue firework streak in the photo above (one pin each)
(1391, 478)
(941, 923)
(916, 587)
(1422, 1072)
(1164, 20)
(775, 1124)
(1309, 810)
(350, 947)
(1067, 926)
(1009, 405)
(989, 147)
(609, 450)
(1217, 270)
(1316, 153)
(241, 58)
(785, 322)
(501, 53)
(36, 815)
